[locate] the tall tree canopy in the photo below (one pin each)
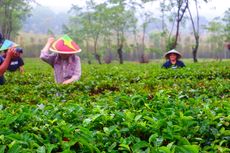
(13, 12)
(226, 20)
(104, 21)
(178, 9)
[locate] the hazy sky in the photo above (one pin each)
(209, 10)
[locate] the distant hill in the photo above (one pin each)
(43, 19)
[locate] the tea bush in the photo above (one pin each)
(117, 108)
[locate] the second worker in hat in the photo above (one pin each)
(173, 61)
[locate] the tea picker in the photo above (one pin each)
(173, 57)
(66, 65)
(10, 47)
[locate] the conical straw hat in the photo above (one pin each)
(7, 44)
(65, 45)
(166, 55)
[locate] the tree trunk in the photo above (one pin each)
(7, 22)
(135, 46)
(143, 39)
(176, 36)
(97, 56)
(120, 47)
(163, 17)
(180, 14)
(195, 49)
(4, 25)
(120, 54)
(87, 49)
(10, 28)
(195, 31)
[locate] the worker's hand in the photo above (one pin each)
(12, 53)
(50, 40)
(67, 81)
(48, 44)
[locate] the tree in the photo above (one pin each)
(97, 28)
(123, 19)
(216, 35)
(226, 20)
(147, 19)
(196, 29)
(156, 43)
(89, 24)
(13, 12)
(181, 7)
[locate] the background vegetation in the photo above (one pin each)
(119, 29)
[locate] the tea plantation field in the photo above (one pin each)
(138, 108)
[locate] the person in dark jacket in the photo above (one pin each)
(16, 63)
(5, 62)
(173, 61)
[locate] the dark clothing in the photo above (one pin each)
(1, 39)
(2, 80)
(178, 64)
(15, 64)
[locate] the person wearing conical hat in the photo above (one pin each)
(173, 61)
(11, 53)
(66, 65)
